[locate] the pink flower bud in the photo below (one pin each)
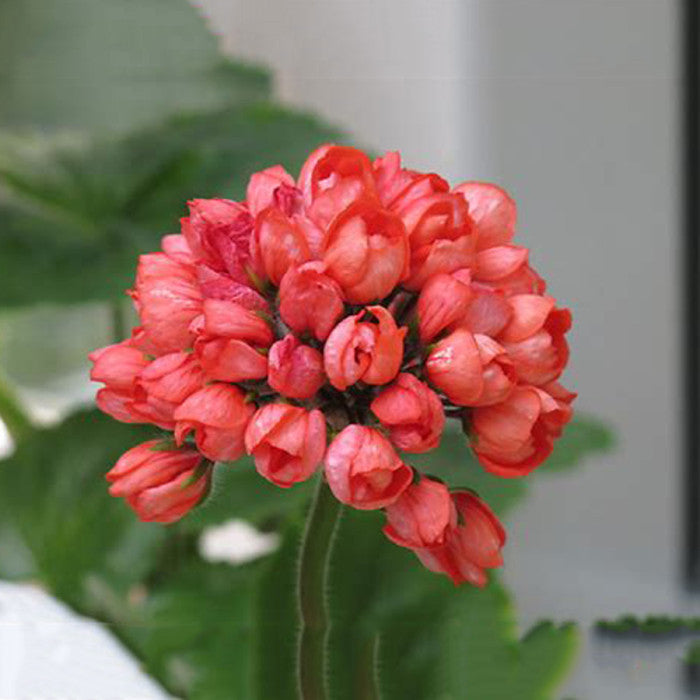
(366, 251)
(470, 548)
(167, 298)
(218, 232)
(332, 178)
(295, 370)
(175, 246)
(219, 285)
(286, 442)
(164, 385)
(363, 469)
(422, 517)
(398, 186)
(492, 211)
(412, 413)
(228, 340)
(218, 414)
(278, 244)
(262, 186)
(439, 234)
(471, 370)
(228, 360)
(230, 320)
(515, 436)
(506, 268)
(364, 351)
(534, 338)
(160, 485)
(442, 302)
(310, 300)
(488, 311)
(118, 367)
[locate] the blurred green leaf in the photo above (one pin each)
(585, 435)
(238, 491)
(75, 217)
(113, 66)
(275, 640)
(58, 523)
(193, 630)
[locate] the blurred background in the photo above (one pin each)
(113, 114)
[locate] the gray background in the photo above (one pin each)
(572, 105)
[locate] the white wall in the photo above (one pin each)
(573, 106)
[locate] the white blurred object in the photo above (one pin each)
(235, 542)
(48, 652)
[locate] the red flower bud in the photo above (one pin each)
(363, 469)
(262, 186)
(228, 337)
(439, 234)
(164, 385)
(534, 338)
(118, 367)
(506, 268)
(332, 178)
(471, 370)
(295, 370)
(492, 211)
(278, 244)
(167, 299)
(160, 485)
(230, 320)
(412, 413)
(364, 351)
(286, 442)
(218, 232)
(422, 517)
(470, 548)
(218, 414)
(515, 436)
(442, 302)
(310, 300)
(366, 251)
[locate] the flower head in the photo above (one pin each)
(341, 319)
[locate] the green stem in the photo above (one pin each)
(12, 414)
(118, 321)
(312, 585)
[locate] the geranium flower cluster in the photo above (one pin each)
(335, 322)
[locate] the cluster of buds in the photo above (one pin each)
(339, 320)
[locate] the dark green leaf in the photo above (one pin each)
(57, 520)
(274, 644)
(75, 218)
(238, 491)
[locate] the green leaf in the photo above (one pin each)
(193, 630)
(401, 631)
(275, 640)
(238, 491)
(75, 217)
(483, 657)
(583, 436)
(57, 521)
(113, 66)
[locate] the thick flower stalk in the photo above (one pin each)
(335, 322)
